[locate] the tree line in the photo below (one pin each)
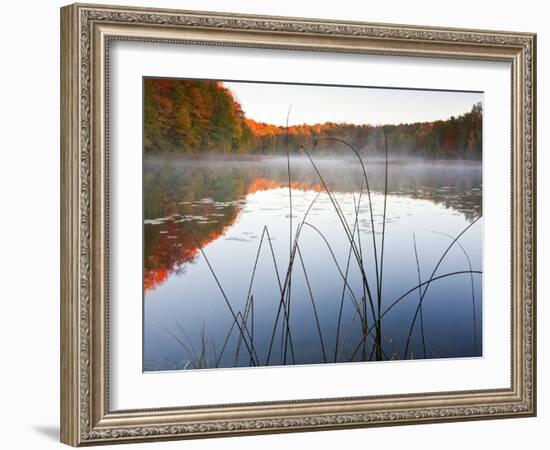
(201, 116)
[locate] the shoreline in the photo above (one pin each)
(224, 157)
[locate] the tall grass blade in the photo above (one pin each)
(420, 296)
(431, 277)
(312, 298)
(471, 287)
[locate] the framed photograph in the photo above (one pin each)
(275, 224)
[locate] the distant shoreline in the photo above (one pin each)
(221, 157)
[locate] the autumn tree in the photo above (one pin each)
(197, 116)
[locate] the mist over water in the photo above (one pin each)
(203, 223)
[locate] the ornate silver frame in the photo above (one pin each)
(86, 31)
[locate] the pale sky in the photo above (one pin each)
(269, 103)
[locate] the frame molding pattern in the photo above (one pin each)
(78, 23)
(85, 254)
(309, 423)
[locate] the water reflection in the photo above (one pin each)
(214, 279)
(210, 195)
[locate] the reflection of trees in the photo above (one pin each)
(168, 247)
(175, 196)
(207, 204)
(208, 196)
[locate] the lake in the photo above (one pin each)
(219, 236)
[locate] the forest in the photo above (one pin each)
(191, 117)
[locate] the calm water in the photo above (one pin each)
(204, 222)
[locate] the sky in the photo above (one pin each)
(265, 102)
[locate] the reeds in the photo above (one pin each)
(368, 302)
